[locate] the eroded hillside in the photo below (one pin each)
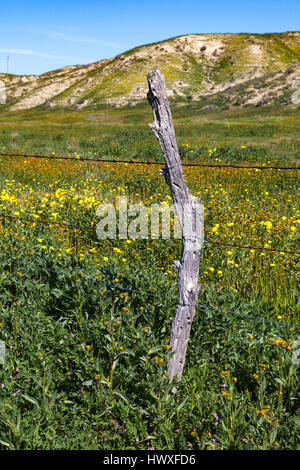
(222, 70)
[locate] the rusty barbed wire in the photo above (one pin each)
(140, 162)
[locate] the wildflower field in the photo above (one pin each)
(86, 322)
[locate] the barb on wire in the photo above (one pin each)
(141, 162)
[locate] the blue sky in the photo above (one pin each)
(45, 35)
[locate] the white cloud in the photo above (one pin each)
(71, 38)
(39, 54)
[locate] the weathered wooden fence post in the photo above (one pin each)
(191, 218)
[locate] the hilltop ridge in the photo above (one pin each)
(219, 70)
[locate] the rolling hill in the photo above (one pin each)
(218, 70)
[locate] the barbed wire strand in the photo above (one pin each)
(140, 162)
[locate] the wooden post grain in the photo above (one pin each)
(190, 215)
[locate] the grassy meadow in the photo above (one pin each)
(86, 322)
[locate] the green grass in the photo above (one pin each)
(125, 132)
